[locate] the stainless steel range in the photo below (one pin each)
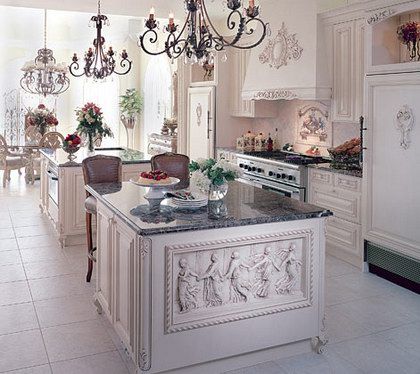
(283, 173)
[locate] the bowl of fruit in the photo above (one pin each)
(346, 155)
(71, 145)
(158, 182)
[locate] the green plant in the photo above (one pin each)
(131, 103)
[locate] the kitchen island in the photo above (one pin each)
(236, 283)
(63, 188)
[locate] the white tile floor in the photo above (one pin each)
(49, 325)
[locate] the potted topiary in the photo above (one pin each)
(131, 106)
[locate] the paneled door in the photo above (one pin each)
(201, 122)
(392, 162)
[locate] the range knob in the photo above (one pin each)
(291, 177)
(260, 170)
(241, 165)
(283, 176)
(270, 174)
(278, 176)
(254, 168)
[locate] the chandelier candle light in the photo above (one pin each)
(198, 39)
(44, 76)
(98, 62)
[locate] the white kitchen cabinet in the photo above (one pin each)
(123, 247)
(68, 212)
(105, 221)
(239, 106)
(342, 195)
(348, 70)
(115, 288)
(392, 163)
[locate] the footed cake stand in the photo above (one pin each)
(156, 193)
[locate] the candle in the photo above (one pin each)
(171, 19)
(252, 4)
(152, 13)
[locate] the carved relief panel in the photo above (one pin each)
(229, 280)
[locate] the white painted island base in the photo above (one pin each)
(212, 300)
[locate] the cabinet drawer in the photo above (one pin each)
(343, 205)
(348, 183)
(344, 236)
(321, 176)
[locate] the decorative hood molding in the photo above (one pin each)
(292, 62)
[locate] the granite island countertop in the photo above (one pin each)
(244, 205)
(128, 156)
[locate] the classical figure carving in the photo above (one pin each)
(187, 291)
(291, 267)
(264, 266)
(379, 16)
(238, 287)
(212, 278)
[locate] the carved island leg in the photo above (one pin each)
(98, 305)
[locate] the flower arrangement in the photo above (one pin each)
(209, 175)
(91, 123)
(409, 34)
(71, 144)
(42, 118)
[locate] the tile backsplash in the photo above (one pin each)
(288, 122)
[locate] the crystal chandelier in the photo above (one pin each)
(43, 75)
(98, 62)
(198, 39)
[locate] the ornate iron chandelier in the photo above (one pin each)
(198, 38)
(43, 75)
(98, 63)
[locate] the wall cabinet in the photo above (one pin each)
(246, 108)
(342, 195)
(348, 70)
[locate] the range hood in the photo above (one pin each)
(291, 63)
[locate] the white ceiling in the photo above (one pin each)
(141, 7)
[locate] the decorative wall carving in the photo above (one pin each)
(199, 112)
(275, 95)
(210, 283)
(314, 125)
(405, 123)
(281, 49)
(379, 16)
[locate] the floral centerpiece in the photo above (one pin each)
(211, 176)
(42, 118)
(91, 123)
(409, 34)
(71, 145)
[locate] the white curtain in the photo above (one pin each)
(157, 96)
(105, 94)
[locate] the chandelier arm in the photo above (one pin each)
(73, 67)
(176, 48)
(251, 31)
(125, 64)
(153, 39)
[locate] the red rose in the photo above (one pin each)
(41, 106)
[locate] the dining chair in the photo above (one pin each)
(97, 169)
(10, 161)
(32, 135)
(175, 165)
(51, 140)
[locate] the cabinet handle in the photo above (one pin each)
(208, 124)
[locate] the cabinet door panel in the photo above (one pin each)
(343, 91)
(104, 260)
(123, 318)
(345, 206)
(344, 235)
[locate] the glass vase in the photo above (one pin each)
(218, 192)
(91, 143)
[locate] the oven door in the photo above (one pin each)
(279, 188)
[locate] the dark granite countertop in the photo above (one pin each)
(243, 206)
(128, 156)
(328, 167)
